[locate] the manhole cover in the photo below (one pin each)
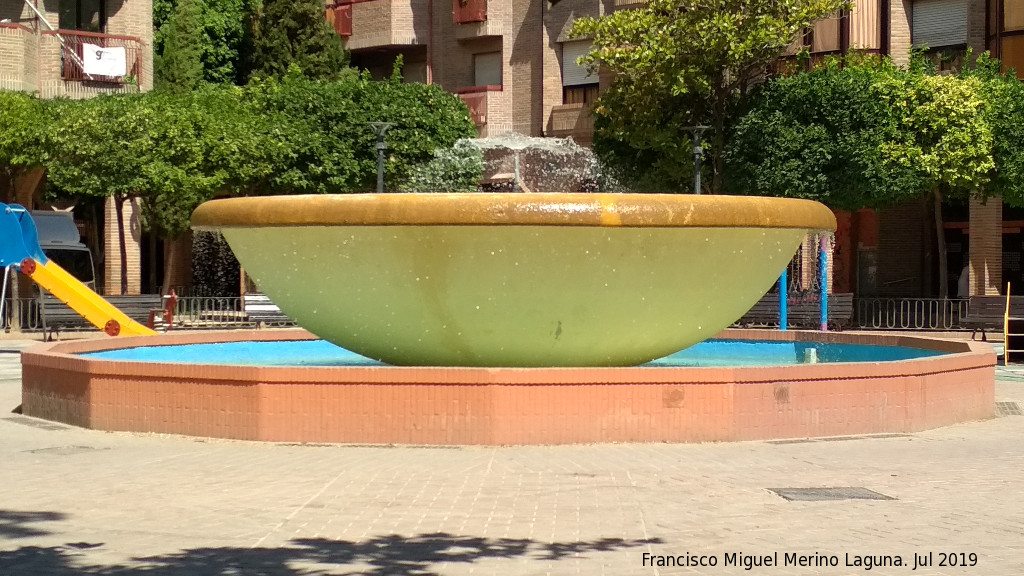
(1008, 409)
(35, 423)
(64, 450)
(822, 494)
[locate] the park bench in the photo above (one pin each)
(259, 309)
(987, 313)
(153, 310)
(803, 312)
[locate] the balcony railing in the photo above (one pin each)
(573, 120)
(466, 11)
(340, 18)
(475, 98)
(82, 55)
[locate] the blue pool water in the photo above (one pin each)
(323, 353)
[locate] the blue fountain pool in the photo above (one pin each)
(711, 353)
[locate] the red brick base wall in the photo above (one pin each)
(508, 405)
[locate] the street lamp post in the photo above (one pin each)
(381, 128)
(698, 153)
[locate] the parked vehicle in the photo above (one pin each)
(61, 242)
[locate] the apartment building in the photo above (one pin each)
(79, 49)
(76, 48)
(514, 63)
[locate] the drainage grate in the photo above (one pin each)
(1008, 409)
(45, 425)
(64, 450)
(824, 494)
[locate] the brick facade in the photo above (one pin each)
(986, 258)
(112, 252)
(31, 61)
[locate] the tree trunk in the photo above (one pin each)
(151, 257)
(15, 300)
(940, 237)
(170, 256)
(122, 246)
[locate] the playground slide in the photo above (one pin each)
(81, 299)
(19, 248)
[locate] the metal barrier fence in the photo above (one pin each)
(198, 312)
(28, 314)
(192, 312)
(910, 313)
(210, 312)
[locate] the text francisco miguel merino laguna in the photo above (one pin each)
(864, 562)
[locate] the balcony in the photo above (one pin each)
(476, 98)
(340, 18)
(469, 11)
(76, 64)
(384, 23)
(103, 58)
(572, 121)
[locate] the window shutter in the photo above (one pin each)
(487, 69)
(940, 23)
(572, 73)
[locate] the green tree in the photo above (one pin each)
(325, 125)
(180, 66)
(1003, 95)
(681, 62)
(946, 138)
(23, 123)
(866, 135)
(820, 136)
(224, 25)
(295, 33)
(172, 151)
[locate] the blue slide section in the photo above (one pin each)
(18, 236)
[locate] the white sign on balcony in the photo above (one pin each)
(100, 61)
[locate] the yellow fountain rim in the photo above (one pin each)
(516, 209)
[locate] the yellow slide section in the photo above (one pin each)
(89, 304)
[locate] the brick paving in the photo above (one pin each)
(81, 502)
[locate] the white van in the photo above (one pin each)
(61, 242)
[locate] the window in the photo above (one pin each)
(487, 69)
(579, 86)
(85, 15)
(825, 35)
(939, 23)
(1013, 15)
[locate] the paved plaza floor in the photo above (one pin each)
(81, 502)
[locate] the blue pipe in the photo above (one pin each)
(823, 280)
(783, 299)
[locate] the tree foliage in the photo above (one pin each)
(686, 59)
(23, 123)
(326, 128)
(822, 135)
(175, 150)
(171, 150)
(180, 66)
(864, 134)
(868, 135)
(223, 25)
(294, 33)
(1003, 95)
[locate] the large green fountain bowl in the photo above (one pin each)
(514, 279)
